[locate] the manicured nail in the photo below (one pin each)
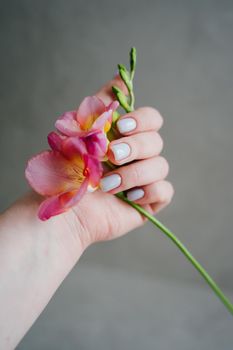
(126, 125)
(120, 151)
(133, 195)
(110, 182)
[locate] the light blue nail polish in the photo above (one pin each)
(120, 150)
(110, 182)
(135, 194)
(126, 125)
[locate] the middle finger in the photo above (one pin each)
(139, 146)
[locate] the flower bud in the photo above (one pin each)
(122, 67)
(121, 98)
(126, 78)
(133, 59)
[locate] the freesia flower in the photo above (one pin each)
(63, 175)
(90, 123)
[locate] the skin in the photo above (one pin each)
(36, 256)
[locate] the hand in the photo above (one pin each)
(35, 255)
(142, 174)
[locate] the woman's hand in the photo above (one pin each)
(141, 174)
(35, 256)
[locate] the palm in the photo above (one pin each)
(106, 218)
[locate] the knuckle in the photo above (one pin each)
(162, 194)
(159, 142)
(171, 190)
(155, 121)
(151, 110)
(164, 166)
(165, 192)
(157, 117)
(135, 175)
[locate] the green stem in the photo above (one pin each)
(132, 99)
(156, 222)
(183, 249)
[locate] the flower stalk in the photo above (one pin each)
(127, 103)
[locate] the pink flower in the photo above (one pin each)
(62, 175)
(90, 123)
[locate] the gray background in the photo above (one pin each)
(137, 292)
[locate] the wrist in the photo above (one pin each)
(61, 231)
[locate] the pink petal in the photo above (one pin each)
(50, 173)
(78, 194)
(113, 105)
(59, 204)
(101, 120)
(96, 144)
(94, 168)
(67, 124)
(73, 147)
(55, 141)
(90, 108)
(50, 207)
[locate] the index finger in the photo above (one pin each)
(106, 94)
(141, 120)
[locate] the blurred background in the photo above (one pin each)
(139, 291)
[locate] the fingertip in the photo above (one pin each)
(126, 125)
(119, 152)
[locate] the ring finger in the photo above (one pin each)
(136, 174)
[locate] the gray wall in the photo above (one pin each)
(53, 53)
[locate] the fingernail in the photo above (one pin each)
(120, 151)
(126, 125)
(133, 195)
(110, 182)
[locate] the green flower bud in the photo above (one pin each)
(122, 67)
(126, 78)
(121, 98)
(133, 59)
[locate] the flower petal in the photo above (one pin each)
(100, 122)
(96, 144)
(73, 147)
(59, 204)
(50, 207)
(93, 169)
(50, 173)
(67, 124)
(55, 141)
(90, 108)
(113, 106)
